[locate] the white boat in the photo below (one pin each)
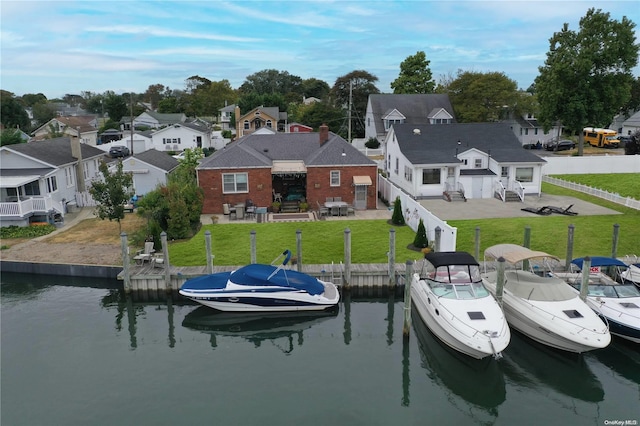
(543, 307)
(617, 303)
(632, 274)
(451, 300)
(262, 288)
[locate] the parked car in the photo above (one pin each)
(561, 145)
(625, 139)
(118, 151)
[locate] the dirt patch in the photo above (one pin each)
(89, 242)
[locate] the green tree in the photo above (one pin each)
(357, 86)
(634, 101)
(318, 113)
(587, 76)
(43, 112)
(415, 76)
(10, 137)
(12, 113)
(154, 94)
(314, 88)
(116, 106)
(112, 192)
(421, 240)
(271, 81)
(30, 99)
(478, 97)
(397, 218)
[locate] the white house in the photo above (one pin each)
(149, 169)
(40, 179)
(71, 127)
(529, 131)
(385, 110)
(224, 117)
(179, 137)
(476, 160)
(153, 120)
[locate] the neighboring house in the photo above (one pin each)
(529, 132)
(70, 126)
(475, 160)
(109, 135)
(310, 100)
(153, 120)
(385, 110)
(178, 137)
(141, 141)
(259, 117)
(40, 179)
(66, 110)
(299, 128)
(149, 169)
(631, 125)
(312, 166)
(224, 117)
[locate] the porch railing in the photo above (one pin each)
(498, 188)
(22, 208)
(519, 189)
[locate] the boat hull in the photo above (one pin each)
(453, 332)
(544, 322)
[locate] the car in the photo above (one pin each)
(625, 139)
(118, 151)
(561, 145)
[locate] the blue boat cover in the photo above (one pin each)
(599, 261)
(256, 275)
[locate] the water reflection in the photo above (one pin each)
(534, 365)
(479, 382)
(277, 327)
(622, 357)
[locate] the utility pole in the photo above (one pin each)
(350, 102)
(131, 124)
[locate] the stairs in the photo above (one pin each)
(453, 196)
(510, 197)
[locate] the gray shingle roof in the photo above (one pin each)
(416, 108)
(55, 151)
(437, 144)
(262, 150)
(159, 159)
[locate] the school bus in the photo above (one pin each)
(603, 138)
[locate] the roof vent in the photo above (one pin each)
(416, 131)
(265, 150)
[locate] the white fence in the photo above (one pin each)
(413, 211)
(84, 199)
(600, 193)
(591, 164)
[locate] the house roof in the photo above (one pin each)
(633, 121)
(72, 122)
(416, 108)
(158, 159)
(56, 152)
(256, 151)
(189, 126)
(436, 144)
(228, 108)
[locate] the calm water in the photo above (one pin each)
(77, 352)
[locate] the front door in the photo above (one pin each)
(360, 202)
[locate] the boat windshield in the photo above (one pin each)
(617, 291)
(457, 281)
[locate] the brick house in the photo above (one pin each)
(298, 166)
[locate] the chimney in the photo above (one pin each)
(324, 134)
(238, 126)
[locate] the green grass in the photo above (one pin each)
(625, 184)
(323, 242)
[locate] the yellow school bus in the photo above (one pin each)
(603, 138)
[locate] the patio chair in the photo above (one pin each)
(343, 210)
(329, 199)
(335, 211)
(322, 210)
(145, 254)
(565, 211)
(544, 210)
(350, 210)
(276, 195)
(337, 198)
(157, 260)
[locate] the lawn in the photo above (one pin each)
(323, 242)
(625, 184)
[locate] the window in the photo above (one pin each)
(335, 178)
(85, 170)
(68, 174)
(535, 131)
(451, 172)
(246, 124)
(478, 163)
(524, 174)
(397, 165)
(408, 173)
(504, 172)
(526, 132)
(234, 182)
(430, 176)
(32, 188)
(269, 124)
(52, 184)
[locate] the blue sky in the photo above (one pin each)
(59, 47)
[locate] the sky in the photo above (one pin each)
(68, 47)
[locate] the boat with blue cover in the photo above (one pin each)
(259, 288)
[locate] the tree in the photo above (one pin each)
(587, 76)
(12, 113)
(30, 99)
(314, 88)
(357, 86)
(634, 101)
(478, 97)
(154, 94)
(318, 113)
(421, 240)
(10, 137)
(43, 112)
(397, 218)
(415, 76)
(116, 106)
(112, 192)
(272, 81)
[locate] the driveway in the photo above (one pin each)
(494, 208)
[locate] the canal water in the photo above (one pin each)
(78, 352)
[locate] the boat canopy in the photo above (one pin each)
(514, 253)
(258, 275)
(600, 261)
(446, 258)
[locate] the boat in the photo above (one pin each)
(542, 306)
(617, 303)
(452, 302)
(631, 274)
(258, 287)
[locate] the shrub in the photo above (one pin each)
(421, 240)
(397, 218)
(372, 143)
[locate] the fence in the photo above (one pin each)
(84, 199)
(413, 211)
(600, 193)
